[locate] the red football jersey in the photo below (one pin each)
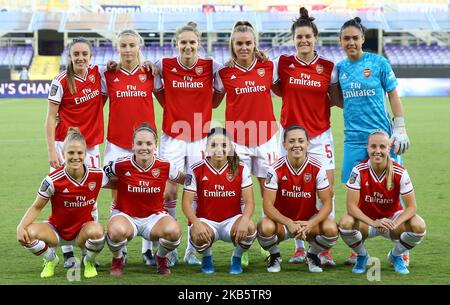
(130, 103)
(72, 201)
(375, 200)
(140, 191)
(304, 90)
(296, 190)
(249, 113)
(84, 109)
(188, 93)
(218, 191)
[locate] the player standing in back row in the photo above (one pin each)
(304, 82)
(188, 99)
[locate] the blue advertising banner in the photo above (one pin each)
(11, 89)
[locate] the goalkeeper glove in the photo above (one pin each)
(399, 137)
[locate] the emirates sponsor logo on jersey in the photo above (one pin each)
(92, 185)
(143, 187)
(156, 172)
(88, 95)
(142, 77)
(367, 72)
(198, 70)
(319, 69)
(92, 78)
(296, 192)
(378, 198)
(80, 202)
(261, 72)
(230, 177)
(307, 177)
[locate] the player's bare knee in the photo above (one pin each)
(329, 228)
(117, 233)
(251, 228)
(266, 227)
(172, 232)
(418, 224)
(347, 222)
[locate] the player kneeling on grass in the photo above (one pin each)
(289, 203)
(72, 190)
(373, 206)
(140, 180)
(220, 181)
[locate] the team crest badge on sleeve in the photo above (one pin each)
(53, 90)
(269, 178)
(307, 177)
(92, 185)
(353, 176)
(261, 72)
(199, 70)
(44, 186)
(142, 77)
(156, 172)
(188, 180)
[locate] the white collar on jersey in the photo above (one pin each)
(74, 181)
(292, 169)
(374, 174)
(136, 68)
(138, 167)
(305, 63)
(213, 169)
(238, 66)
(186, 67)
(83, 78)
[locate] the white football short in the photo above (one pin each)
(114, 152)
(259, 158)
(141, 226)
(320, 147)
(222, 230)
(180, 153)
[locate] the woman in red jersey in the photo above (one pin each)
(72, 190)
(188, 100)
(219, 182)
(305, 87)
(289, 202)
(140, 180)
(374, 190)
(129, 87)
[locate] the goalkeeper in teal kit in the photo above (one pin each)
(365, 79)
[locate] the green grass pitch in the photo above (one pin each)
(24, 164)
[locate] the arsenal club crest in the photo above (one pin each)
(199, 70)
(261, 72)
(307, 177)
(367, 72)
(142, 77)
(91, 185)
(319, 69)
(156, 172)
(92, 78)
(230, 177)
